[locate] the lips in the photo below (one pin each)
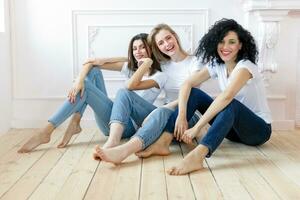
(139, 56)
(225, 53)
(171, 48)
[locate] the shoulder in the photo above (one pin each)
(250, 66)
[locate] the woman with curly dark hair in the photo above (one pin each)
(239, 113)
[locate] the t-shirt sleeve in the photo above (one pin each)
(251, 67)
(160, 78)
(212, 71)
(196, 64)
(126, 71)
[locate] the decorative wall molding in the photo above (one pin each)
(153, 17)
(270, 20)
(270, 13)
(94, 32)
(251, 5)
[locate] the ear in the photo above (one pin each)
(241, 45)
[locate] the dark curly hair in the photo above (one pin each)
(207, 49)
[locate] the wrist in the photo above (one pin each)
(148, 61)
(182, 115)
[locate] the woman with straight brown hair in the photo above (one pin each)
(144, 75)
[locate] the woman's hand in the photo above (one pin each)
(77, 87)
(181, 125)
(189, 135)
(147, 61)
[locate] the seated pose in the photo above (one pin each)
(177, 65)
(239, 113)
(89, 89)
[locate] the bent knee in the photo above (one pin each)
(123, 92)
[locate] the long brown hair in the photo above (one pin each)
(132, 62)
(161, 57)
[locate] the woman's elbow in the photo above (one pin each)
(131, 86)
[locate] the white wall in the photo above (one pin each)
(5, 75)
(51, 38)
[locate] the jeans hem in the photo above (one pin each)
(141, 139)
(116, 121)
(209, 149)
(51, 122)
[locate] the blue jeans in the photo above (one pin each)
(128, 103)
(95, 96)
(235, 122)
(155, 125)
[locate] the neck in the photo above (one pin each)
(177, 57)
(230, 65)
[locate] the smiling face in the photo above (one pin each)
(166, 43)
(139, 50)
(229, 47)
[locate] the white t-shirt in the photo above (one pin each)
(149, 94)
(252, 94)
(177, 73)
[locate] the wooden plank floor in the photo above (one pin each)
(235, 171)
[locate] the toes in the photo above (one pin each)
(140, 154)
(171, 170)
(96, 156)
(97, 148)
(61, 145)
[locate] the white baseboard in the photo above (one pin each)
(90, 123)
(283, 125)
(4, 127)
(85, 123)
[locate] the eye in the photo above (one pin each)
(160, 43)
(232, 41)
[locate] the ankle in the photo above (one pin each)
(113, 140)
(201, 150)
(76, 118)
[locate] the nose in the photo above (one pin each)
(225, 45)
(167, 43)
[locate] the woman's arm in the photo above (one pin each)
(196, 79)
(238, 81)
(114, 63)
(135, 82)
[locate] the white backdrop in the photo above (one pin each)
(50, 40)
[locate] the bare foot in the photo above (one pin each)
(192, 162)
(71, 130)
(96, 156)
(36, 140)
(112, 155)
(108, 144)
(160, 147)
